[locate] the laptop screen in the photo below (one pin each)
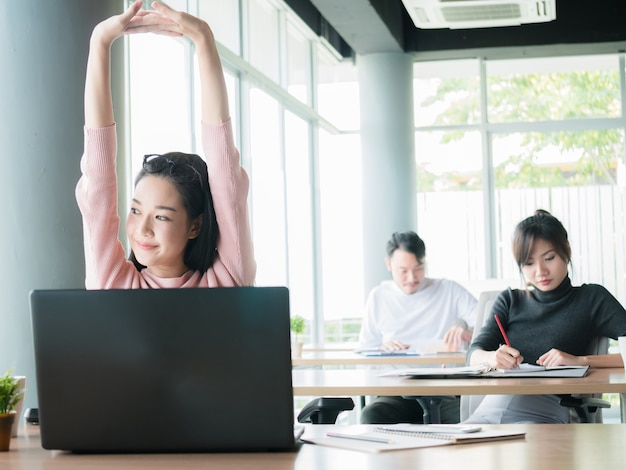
(158, 370)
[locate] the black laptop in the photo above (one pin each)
(164, 370)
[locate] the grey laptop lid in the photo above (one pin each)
(160, 370)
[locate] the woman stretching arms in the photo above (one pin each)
(188, 222)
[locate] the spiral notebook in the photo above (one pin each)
(384, 438)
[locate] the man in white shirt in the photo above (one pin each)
(409, 309)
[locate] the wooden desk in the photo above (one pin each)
(349, 358)
(359, 382)
(546, 447)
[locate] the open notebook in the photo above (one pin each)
(388, 437)
(483, 371)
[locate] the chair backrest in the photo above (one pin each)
(590, 413)
(600, 345)
(486, 300)
(485, 303)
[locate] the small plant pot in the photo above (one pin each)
(6, 423)
(20, 404)
(296, 349)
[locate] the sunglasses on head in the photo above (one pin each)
(179, 172)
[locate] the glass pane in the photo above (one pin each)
(553, 88)
(180, 5)
(337, 91)
(299, 64)
(264, 44)
(299, 217)
(223, 17)
(450, 213)
(342, 244)
(268, 196)
(160, 125)
(446, 93)
(578, 177)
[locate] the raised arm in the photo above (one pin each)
(98, 101)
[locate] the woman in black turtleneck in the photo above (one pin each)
(550, 323)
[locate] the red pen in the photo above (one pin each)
(506, 338)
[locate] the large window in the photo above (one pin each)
(267, 190)
(449, 162)
(271, 63)
(264, 43)
(494, 140)
(545, 133)
(300, 227)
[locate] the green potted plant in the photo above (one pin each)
(10, 396)
(297, 328)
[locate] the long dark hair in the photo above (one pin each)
(541, 225)
(189, 175)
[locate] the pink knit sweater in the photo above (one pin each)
(96, 192)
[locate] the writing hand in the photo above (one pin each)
(507, 357)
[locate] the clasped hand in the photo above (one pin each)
(161, 20)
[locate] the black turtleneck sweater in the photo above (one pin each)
(567, 318)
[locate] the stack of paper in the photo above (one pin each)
(410, 436)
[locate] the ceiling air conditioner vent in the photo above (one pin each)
(431, 14)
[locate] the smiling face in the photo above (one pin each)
(159, 228)
(544, 268)
(406, 270)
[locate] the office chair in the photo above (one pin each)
(431, 406)
(485, 304)
(588, 408)
(324, 410)
(583, 408)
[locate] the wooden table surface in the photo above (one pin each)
(359, 382)
(545, 447)
(350, 358)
